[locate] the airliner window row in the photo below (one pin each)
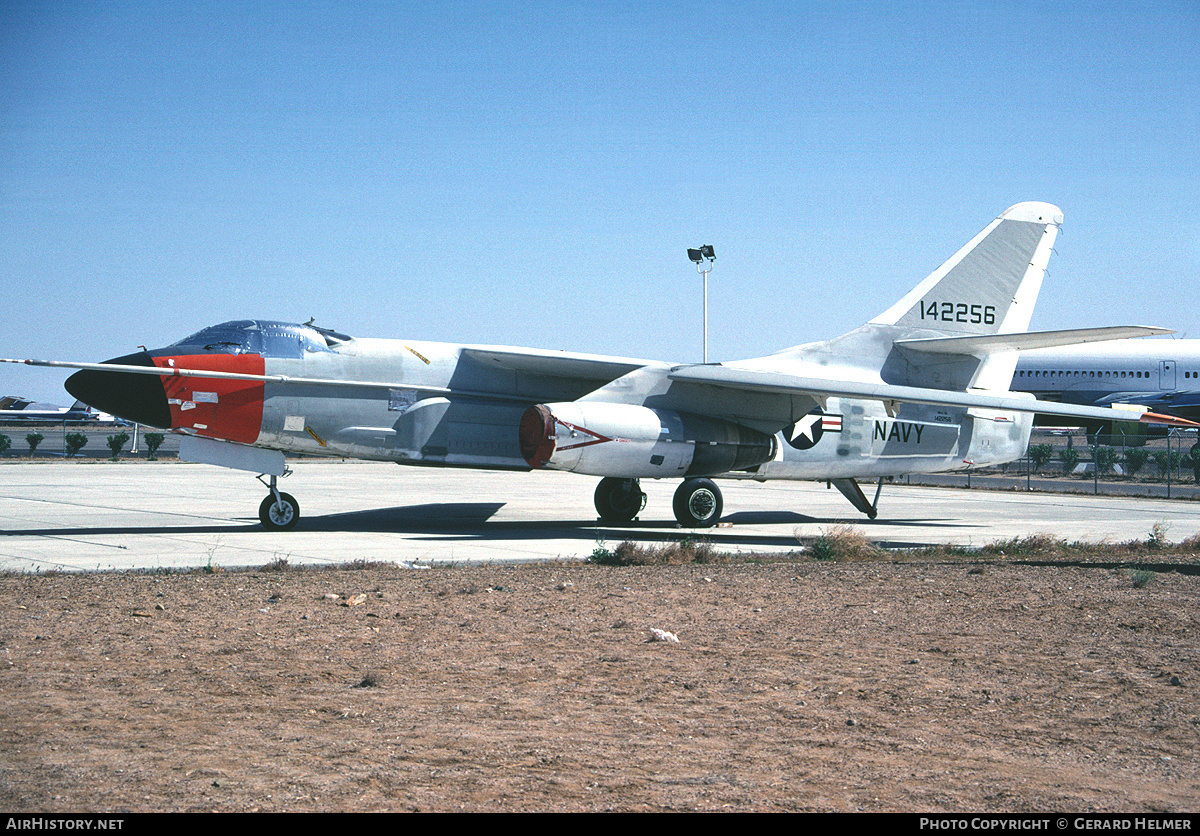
(1077, 373)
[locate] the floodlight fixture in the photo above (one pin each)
(698, 255)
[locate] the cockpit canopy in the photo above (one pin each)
(269, 339)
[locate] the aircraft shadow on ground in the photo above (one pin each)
(473, 521)
(783, 517)
(462, 521)
(109, 530)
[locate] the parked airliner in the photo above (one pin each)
(1161, 374)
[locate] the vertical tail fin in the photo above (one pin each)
(990, 285)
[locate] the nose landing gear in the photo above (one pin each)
(279, 511)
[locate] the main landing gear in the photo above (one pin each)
(279, 511)
(619, 500)
(697, 502)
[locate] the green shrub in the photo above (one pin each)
(116, 442)
(75, 442)
(33, 440)
(1040, 454)
(153, 442)
(1165, 461)
(1069, 458)
(1141, 577)
(1106, 457)
(1135, 459)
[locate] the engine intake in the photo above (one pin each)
(635, 442)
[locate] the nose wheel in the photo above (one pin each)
(279, 511)
(277, 514)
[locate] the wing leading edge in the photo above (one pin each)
(586, 367)
(749, 380)
(346, 383)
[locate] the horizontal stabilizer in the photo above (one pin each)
(750, 380)
(987, 343)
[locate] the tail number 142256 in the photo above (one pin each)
(959, 312)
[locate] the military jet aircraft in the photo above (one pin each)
(923, 387)
(23, 410)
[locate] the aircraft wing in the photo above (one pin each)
(171, 371)
(1185, 404)
(587, 367)
(268, 378)
(751, 380)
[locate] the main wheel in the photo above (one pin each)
(619, 500)
(276, 516)
(698, 503)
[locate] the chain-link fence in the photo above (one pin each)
(1071, 453)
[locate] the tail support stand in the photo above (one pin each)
(852, 492)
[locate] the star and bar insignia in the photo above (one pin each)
(807, 431)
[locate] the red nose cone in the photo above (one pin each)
(229, 409)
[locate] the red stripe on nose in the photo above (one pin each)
(227, 409)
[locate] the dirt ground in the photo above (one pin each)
(811, 686)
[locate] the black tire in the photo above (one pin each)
(279, 518)
(698, 503)
(619, 500)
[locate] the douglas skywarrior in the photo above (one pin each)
(921, 388)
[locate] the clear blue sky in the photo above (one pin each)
(532, 173)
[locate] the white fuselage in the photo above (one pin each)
(446, 409)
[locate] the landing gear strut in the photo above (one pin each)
(698, 503)
(279, 511)
(619, 500)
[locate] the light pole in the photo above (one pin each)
(699, 256)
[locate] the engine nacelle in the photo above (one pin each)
(636, 442)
